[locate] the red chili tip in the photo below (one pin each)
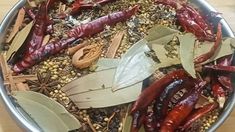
(133, 109)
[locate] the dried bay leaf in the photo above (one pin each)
(134, 66)
(106, 63)
(127, 124)
(19, 40)
(224, 49)
(187, 53)
(46, 112)
(18, 23)
(165, 61)
(95, 90)
(160, 34)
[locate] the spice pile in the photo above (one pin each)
(80, 53)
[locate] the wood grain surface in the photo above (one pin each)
(226, 7)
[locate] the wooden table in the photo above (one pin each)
(227, 7)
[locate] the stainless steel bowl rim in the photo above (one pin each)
(28, 124)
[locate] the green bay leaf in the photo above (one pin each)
(187, 53)
(134, 66)
(224, 49)
(95, 90)
(160, 34)
(47, 113)
(19, 40)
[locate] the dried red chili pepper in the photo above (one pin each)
(137, 121)
(226, 82)
(155, 89)
(190, 19)
(181, 111)
(41, 53)
(221, 68)
(99, 24)
(150, 122)
(81, 4)
(29, 12)
(197, 114)
(197, 17)
(218, 92)
(38, 31)
(161, 104)
(85, 30)
(208, 55)
(190, 25)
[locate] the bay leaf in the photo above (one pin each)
(127, 124)
(187, 53)
(95, 90)
(19, 40)
(134, 66)
(160, 34)
(165, 61)
(18, 23)
(224, 49)
(46, 112)
(106, 63)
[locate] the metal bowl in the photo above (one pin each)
(24, 120)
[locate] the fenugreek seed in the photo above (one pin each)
(55, 66)
(73, 74)
(106, 119)
(214, 117)
(51, 93)
(206, 128)
(44, 67)
(98, 127)
(79, 74)
(120, 124)
(42, 70)
(64, 98)
(120, 129)
(60, 69)
(84, 111)
(56, 76)
(94, 125)
(56, 91)
(85, 119)
(50, 63)
(63, 94)
(45, 63)
(60, 96)
(80, 113)
(63, 63)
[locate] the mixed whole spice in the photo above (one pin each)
(122, 65)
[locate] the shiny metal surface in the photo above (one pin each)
(26, 122)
